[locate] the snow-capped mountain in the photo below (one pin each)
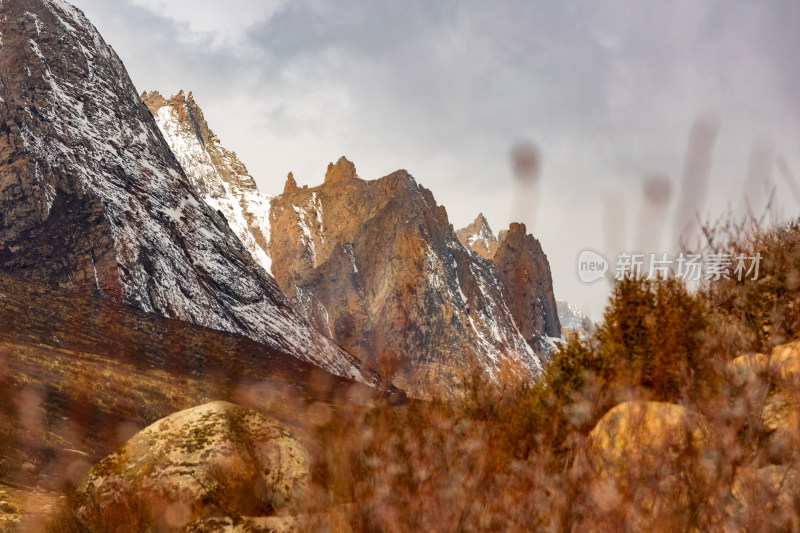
(91, 195)
(217, 173)
(379, 265)
(572, 319)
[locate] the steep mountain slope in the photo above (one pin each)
(217, 174)
(92, 196)
(524, 272)
(379, 264)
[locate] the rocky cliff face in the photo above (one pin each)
(527, 282)
(91, 196)
(215, 172)
(378, 263)
(524, 271)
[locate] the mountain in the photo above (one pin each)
(572, 319)
(379, 265)
(92, 197)
(524, 272)
(479, 238)
(217, 173)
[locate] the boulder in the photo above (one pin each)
(782, 363)
(768, 383)
(213, 461)
(637, 435)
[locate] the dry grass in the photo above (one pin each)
(652, 424)
(721, 456)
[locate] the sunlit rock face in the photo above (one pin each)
(91, 195)
(378, 264)
(479, 238)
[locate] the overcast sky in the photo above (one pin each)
(608, 91)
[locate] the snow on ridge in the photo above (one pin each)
(112, 152)
(308, 216)
(488, 310)
(220, 194)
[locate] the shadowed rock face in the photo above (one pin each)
(91, 196)
(524, 272)
(379, 265)
(527, 284)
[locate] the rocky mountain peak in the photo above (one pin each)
(527, 283)
(153, 99)
(517, 230)
(377, 263)
(291, 184)
(343, 170)
(92, 196)
(479, 237)
(573, 320)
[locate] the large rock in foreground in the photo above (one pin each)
(770, 385)
(640, 438)
(215, 461)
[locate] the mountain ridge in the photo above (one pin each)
(216, 173)
(91, 195)
(379, 263)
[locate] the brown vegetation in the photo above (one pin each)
(664, 420)
(648, 425)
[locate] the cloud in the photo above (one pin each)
(608, 90)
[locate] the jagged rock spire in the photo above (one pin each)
(291, 184)
(343, 170)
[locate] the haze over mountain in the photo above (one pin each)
(608, 90)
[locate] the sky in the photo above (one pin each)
(608, 91)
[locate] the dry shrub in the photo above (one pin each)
(523, 457)
(714, 446)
